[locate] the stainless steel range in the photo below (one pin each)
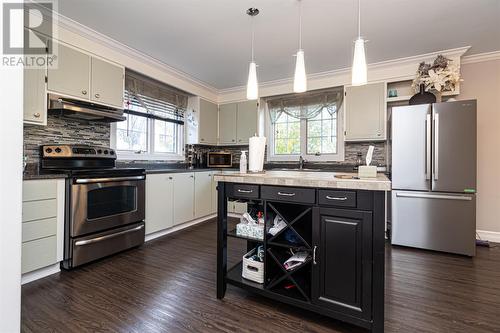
(105, 205)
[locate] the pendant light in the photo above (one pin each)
(252, 83)
(300, 77)
(359, 69)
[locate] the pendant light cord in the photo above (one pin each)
(359, 18)
(253, 36)
(300, 25)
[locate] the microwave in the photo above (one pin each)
(219, 160)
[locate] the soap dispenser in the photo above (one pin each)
(243, 162)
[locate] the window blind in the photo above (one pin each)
(152, 99)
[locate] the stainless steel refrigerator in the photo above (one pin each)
(434, 176)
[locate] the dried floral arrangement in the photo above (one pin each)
(442, 75)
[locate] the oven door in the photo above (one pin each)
(99, 204)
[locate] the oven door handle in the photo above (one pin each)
(107, 180)
(102, 238)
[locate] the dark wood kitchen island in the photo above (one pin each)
(339, 223)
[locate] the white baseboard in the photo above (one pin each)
(492, 236)
(162, 233)
(40, 273)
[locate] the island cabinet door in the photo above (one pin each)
(342, 266)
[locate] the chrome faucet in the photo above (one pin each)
(302, 161)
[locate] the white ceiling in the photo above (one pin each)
(210, 40)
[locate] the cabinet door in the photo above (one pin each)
(72, 75)
(159, 202)
(35, 97)
(184, 197)
(202, 194)
(342, 274)
(208, 123)
(214, 193)
(365, 112)
(246, 124)
(107, 83)
(227, 123)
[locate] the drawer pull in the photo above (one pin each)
(336, 198)
(284, 194)
(244, 191)
(314, 255)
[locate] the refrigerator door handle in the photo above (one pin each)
(434, 196)
(428, 147)
(436, 146)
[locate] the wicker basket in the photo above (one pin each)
(252, 270)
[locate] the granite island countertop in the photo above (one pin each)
(309, 179)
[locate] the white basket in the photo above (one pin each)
(252, 270)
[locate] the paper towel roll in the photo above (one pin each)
(257, 151)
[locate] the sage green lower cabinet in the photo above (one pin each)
(159, 202)
(42, 224)
(183, 197)
(202, 194)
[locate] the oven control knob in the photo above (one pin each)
(48, 150)
(58, 150)
(106, 152)
(99, 151)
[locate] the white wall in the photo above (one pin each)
(11, 137)
(482, 82)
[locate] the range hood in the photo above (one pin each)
(84, 110)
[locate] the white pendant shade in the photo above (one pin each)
(359, 69)
(300, 78)
(252, 84)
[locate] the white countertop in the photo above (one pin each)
(309, 179)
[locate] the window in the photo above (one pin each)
(307, 125)
(154, 128)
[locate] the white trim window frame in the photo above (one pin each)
(337, 157)
(150, 154)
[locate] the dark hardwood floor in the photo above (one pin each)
(168, 285)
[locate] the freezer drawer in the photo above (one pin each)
(434, 221)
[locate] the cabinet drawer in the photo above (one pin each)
(39, 229)
(38, 253)
(337, 198)
(39, 189)
(37, 210)
(245, 191)
(291, 194)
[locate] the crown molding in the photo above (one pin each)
(452, 53)
(480, 57)
(103, 40)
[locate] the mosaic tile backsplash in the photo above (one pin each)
(61, 130)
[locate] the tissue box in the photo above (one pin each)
(250, 230)
(367, 171)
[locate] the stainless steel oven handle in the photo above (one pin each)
(107, 180)
(102, 238)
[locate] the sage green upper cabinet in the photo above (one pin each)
(35, 98)
(107, 82)
(246, 124)
(207, 127)
(72, 75)
(237, 122)
(227, 123)
(366, 113)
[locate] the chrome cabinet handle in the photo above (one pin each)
(284, 194)
(314, 255)
(84, 92)
(99, 239)
(336, 198)
(97, 96)
(36, 115)
(244, 191)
